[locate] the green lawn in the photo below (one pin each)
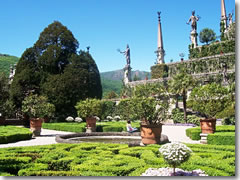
(96, 159)
(81, 127)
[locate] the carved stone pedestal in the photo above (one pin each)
(203, 138)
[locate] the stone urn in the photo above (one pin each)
(91, 124)
(151, 133)
(208, 126)
(36, 126)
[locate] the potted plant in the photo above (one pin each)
(209, 100)
(88, 109)
(152, 113)
(37, 107)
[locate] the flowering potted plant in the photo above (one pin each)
(209, 100)
(152, 113)
(88, 109)
(175, 154)
(37, 108)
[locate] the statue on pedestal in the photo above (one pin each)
(194, 34)
(127, 68)
(127, 54)
(194, 20)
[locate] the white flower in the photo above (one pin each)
(69, 119)
(109, 117)
(175, 153)
(97, 118)
(117, 118)
(78, 119)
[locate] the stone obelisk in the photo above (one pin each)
(223, 14)
(160, 51)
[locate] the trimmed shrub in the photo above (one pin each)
(99, 159)
(9, 134)
(194, 133)
(221, 138)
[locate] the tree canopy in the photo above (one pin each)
(52, 67)
(207, 35)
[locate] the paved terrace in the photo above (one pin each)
(174, 133)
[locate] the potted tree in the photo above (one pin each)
(37, 107)
(89, 109)
(209, 100)
(152, 113)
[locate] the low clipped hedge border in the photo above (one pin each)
(194, 134)
(10, 134)
(81, 127)
(221, 138)
(98, 159)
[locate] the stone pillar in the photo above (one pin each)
(203, 138)
(194, 35)
(223, 15)
(127, 74)
(160, 51)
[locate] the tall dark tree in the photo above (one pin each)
(52, 67)
(80, 80)
(4, 91)
(207, 35)
(26, 79)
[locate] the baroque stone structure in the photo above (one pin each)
(223, 15)
(160, 51)
(193, 35)
(127, 68)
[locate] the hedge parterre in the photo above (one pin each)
(224, 135)
(9, 134)
(96, 159)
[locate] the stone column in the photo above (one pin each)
(194, 35)
(160, 51)
(223, 15)
(127, 74)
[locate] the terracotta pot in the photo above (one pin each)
(91, 124)
(36, 126)
(151, 133)
(208, 126)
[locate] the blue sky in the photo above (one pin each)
(108, 25)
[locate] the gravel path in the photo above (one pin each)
(174, 133)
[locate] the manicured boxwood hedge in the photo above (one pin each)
(81, 127)
(99, 159)
(222, 138)
(194, 134)
(9, 134)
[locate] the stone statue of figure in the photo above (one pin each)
(194, 20)
(127, 54)
(230, 15)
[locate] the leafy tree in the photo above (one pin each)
(209, 99)
(77, 82)
(4, 91)
(180, 84)
(207, 35)
(52, 67)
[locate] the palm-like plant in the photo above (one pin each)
(179, 85)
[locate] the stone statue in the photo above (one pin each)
(194, 20)
(230, 15)
(127, 54)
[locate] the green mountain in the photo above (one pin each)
(118, 75)
(112, 80)
(6, 61)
